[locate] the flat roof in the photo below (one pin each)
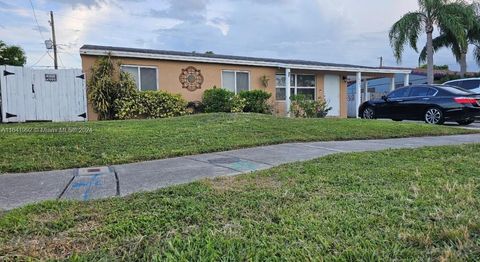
(228, 59)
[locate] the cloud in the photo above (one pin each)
(4, 5)
(41, 28)
(347, 31)
(185, 10)
(77, 3)
(91, 3)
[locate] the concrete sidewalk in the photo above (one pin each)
(120, 180)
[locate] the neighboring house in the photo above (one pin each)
(190, 74)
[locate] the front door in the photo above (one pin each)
(332, 94)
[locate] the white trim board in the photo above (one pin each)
(95, 52)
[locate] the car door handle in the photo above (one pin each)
(425, 98)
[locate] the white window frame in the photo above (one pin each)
(295, 86)
(139, 87)
(235, 76)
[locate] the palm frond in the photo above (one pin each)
(476, 54)
(455, 19)
(406, 31)
(442, 41)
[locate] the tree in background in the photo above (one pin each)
(12, 55)
(447, 40)
(435, 67)
(445, 15)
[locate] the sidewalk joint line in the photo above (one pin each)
(117, 180)
(68, 184)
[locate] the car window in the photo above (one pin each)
(470, 84)
(401, 92)
(454, 90)
(419, 91)
(455, 83)
(432, 92)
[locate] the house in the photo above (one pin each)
(191, 73)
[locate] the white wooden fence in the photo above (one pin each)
(42, 94)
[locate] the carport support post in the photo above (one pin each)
(366, 89)
(358, 93)
(287, 91)
(407, 79)
(392, 84)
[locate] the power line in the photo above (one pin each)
(38, 61)
(36, 20)
(50, 55)
(61, 62)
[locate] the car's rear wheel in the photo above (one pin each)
(434, 116)
(465, 122)
(368, 113)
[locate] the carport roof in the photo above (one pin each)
(229, 59)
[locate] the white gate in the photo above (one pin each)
(42, 94)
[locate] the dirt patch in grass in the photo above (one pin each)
(56, 247)
(236, 184)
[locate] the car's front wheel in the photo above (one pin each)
(368, 113)
(434, 116)
(465, 122)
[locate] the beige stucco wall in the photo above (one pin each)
(169, 72)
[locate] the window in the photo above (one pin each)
(458, 83)
(145, 77)
(449, 90)
(432, 92)
(419, 91)
(299, 85)
(470, 84)
(401, 92)
(236, 81)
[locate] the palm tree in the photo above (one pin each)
(446, 15)
(448, 40)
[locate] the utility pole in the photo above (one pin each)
(55, 58)
(381, 61)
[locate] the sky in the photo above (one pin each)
(336, 31)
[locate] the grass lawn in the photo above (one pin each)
(115, 142)
(421, 204)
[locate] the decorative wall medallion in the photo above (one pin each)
(191, 78)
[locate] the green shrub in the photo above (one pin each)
(450, 77)
(151, 104)
(195, 107)
(217, 100)
(237, 104)
(105, 87)
(301, 106)
(256, 101)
